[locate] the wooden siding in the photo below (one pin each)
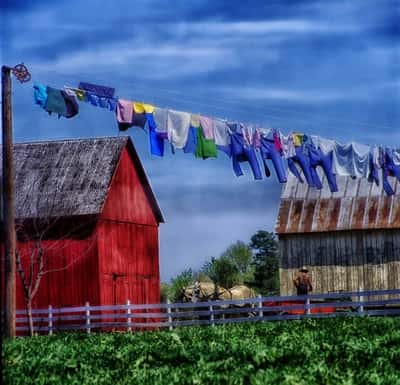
(129, 266)
(73, 277)
(128, 240)
(342, 260)
(126, 199)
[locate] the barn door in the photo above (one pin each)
(120, 294)
(120, 289)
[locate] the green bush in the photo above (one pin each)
(330, 351)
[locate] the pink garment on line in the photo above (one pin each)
(277, 142)
(257, 138)
(207, 124)
(124, 111)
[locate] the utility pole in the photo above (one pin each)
(8, 204)
(8, 198)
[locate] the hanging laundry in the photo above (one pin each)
(268, 150)
(303, 160)
(325, 145)
(373, 175)
(257, 139)
(206, 148)
(124, 114)
(156, 140)
(318, 158)
(351, 159)
(243, 153)
(298, 139)
(247, 134)
(139, 116)
(277, 141)
(389, 168)
(396, 157)
(100, 101)
(40, 94)
(108, 103)
(208, 127)
(143, 108)
(178, 124)
(287, 144)
(222, 137)
(195, 120)
(55, 102)
(266, 133)
(139, 120)
(93, 99)
(377, 156)
(71, 104)
(191, 143)
(233, 127)
(100, 91)
(79, 94)
(161, 119)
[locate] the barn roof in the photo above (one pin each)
(70, 177)
(357, 205)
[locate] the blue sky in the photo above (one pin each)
(323, 67)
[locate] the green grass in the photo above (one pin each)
(331, 351)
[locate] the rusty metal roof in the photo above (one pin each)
(357, 205)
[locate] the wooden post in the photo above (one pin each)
(308, 309)
(360, 300)
(128, 313)
(169, 314)
(50, 320)
(8, 200)
(87, 317)
(211, 315)
(260, 305)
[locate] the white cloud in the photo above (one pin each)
(284, 26)
(294, 95)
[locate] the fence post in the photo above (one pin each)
(169, 314)
(212, 315)
(50, 320)
(128, 315)
(308, 309)
(87, 317)
(260, 305)
(360, 300)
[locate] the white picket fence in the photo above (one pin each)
(131, 317)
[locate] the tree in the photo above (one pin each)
(32, 259)
(241, 256)
(265, 262)
(222, 271)
(164, 287)
(182, 280)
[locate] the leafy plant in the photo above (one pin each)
(329, 351)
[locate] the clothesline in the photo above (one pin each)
(234, 101)
(206, 137)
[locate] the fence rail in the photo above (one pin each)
(170, 315)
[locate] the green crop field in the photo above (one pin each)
(331, 351)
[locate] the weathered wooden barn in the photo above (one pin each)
(88, 206)
(349, 239)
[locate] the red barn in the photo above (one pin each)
(88, 207)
